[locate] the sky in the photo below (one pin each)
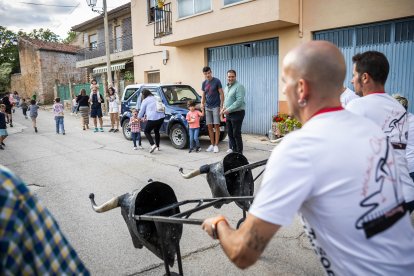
(57, 15)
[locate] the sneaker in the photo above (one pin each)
(229, 151)
(152, 148)
(198, 149)
(158, 149)
(1, 147)
(35, 129)
(101, 130)
(95, 130)
(63, 133)
(3, 144)
(215, 149)
(135, 148)
(210, 148)
(57, 132)
(116, 130)
(11, 125)
(111, 130)
(140, 147)
(190, 151)
(84, 128)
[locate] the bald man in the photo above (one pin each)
(347, 193)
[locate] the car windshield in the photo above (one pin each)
(179, 94)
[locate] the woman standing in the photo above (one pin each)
(113, 109)
(154, 117)
(83, 105)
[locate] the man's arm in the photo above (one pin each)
(203, 100)
(220, 90)
(245, 245)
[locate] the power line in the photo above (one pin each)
(60, 6)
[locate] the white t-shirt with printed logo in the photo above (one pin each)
(338, 172)
(392, 117)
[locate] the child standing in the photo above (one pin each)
(3, 131)
(59, 116)
(33, 108)
(135, 125)
(193, 119)
(74, 107)
(24, 106)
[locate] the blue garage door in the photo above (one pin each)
(256, 64)
(393, 38)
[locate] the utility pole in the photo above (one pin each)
(108, 53)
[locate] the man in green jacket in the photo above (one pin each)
(234, 106)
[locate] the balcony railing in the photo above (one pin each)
(163, 21)
(115, 45)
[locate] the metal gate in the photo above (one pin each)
(393, 38)
(64, 92)
(256, 64)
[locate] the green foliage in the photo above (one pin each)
(128, 76)
(9, 53)
(45, 35)
(71, 36)
(5, 71)
(284, 124)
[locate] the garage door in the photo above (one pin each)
(393, 38)
(256, 67)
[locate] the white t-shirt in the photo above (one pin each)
(347, 96)
(391, 116)
(113, 103)
(410, 143)
(346, 193)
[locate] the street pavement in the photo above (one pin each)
(63, 170)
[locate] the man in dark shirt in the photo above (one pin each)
(96, 108)
(212, 99)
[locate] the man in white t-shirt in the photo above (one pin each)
(338, 172)
(370, 73)
(347, 96)
(410, 141)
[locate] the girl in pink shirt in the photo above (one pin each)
(193, 119)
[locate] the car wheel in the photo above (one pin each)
(178, 136)
(126, 130)
(223, 135)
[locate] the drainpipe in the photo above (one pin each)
(301, 18)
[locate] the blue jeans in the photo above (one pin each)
(59, 124)
(136, 136)
(194, 137)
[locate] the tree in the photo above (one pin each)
(71, 36)
(9, 53)
(45, 35)
(5, 71)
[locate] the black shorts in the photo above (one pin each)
(8, 110)
(96, 112)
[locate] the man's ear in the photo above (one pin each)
(365, 78)
(302, 89)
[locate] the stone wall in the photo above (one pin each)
(28, 82)
(41, 70)
(56, 68)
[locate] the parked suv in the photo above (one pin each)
(175, 98)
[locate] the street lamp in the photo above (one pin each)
(92, 4)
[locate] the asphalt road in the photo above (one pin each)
(63, 170)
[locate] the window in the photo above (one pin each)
(153, 77)
(153, 13)
(118, 38)
(93, 41)
(228, 2)
(128, 94)
(190, 7)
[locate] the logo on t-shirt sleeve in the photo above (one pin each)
(381, 191)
